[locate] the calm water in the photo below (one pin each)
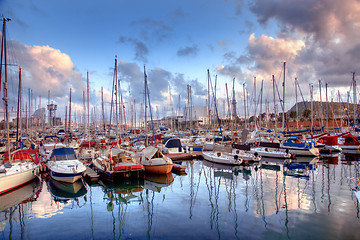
(209, 202)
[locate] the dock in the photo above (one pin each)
(91, 174)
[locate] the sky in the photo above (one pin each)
(57, 42)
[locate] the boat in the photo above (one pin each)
(331, 145)
(222, 158)
(272, 153)
(154, 161)
(349, 144)
(300, 148)
(19, 167)
(179, 168)
(22, 168)
(25, 193)
(173, 149)
(64, 166)
(116, 164)
(49, 143)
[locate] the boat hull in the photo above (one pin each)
(63, 177)
(159, 169)
(111, 175)
(302, 151)
(222, 159)
(13, 181)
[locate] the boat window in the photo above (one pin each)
(71, 157)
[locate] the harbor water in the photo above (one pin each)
(260, 201)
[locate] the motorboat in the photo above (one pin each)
(117, 163)
(64, 166)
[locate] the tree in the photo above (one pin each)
(306, 113)
(293, 114)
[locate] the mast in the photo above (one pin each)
(234, 103)
(255, 104)
(228, 103)
(88, 105)
(261, 102)
(273, 80)
(145, 106)
(283, 117)
(18, 108)
(327, 107)
(69, 128)
(354, 92)
(6, 99)
(297, 106)
(244, 104)
(116, 100)
(208, 100)
(102, 107)
(320, 109)
(312, 107)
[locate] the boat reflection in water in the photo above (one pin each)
(298, 170)
(331, 159)
(15, 202)
(123, 191)
(155, 182)
(229, 171)
(212, 201)
(349, 157)
(63, 191)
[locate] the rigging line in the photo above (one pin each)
(152, 123)
(282, 106)
(217, 115)
(302, 96)
(347, 111)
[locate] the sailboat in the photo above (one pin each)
(16, 169)
(154, 161)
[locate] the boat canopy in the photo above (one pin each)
(63, 154)
(22, 154)
(173, 143)
(149, 152)
(351, 140)
(329, 140)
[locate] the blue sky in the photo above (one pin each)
(57, 42)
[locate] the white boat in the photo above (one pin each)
(154, 161)
(64, 166)
(246, 156)
(22, 168)
(18, 169)
(223, 158)
(271, 153)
